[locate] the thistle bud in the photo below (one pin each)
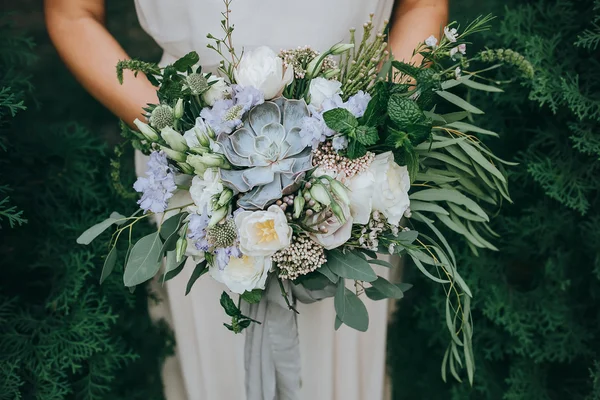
(178, 111)
(225, 197)
(340, 191)
(180, 248)
(319, 193)
(173, 154)
(340, 48)
(298, 204)
(338, 212)
(174, 139)
(217, 216)
(146, 130)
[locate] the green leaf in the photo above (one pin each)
(375, 114)
(445, 158)
(314, 281)
(142, 264)
(340, 120)
(229, 306)
(355, 149)
(405, 112)
(386, 288)
(407, 238)
(455, 116)
(187, 61)
(94, 231)
(109, 264)
(481, 160)
(350, 265)
(380, 262)
(172, 267)
(367, 135)
(200, 270)
(416, 205)
(327, 272)
(350, 309)
(252, 297)
(481, 86)
(449, 195)
(440, 144)
(171, 225)
(459, 102)
(464, 127)
(415, 255)
(463, 213)
(338, 323)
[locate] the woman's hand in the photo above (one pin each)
(76, 27)
(412, 22)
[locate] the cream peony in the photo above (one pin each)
(337, 233)
(204, 188)
(264, 70)
(262, 233)
(382, 187)
(217, 91)
(243, 274)
(321, 89)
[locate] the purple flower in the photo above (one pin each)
(159, 186)
(339, 143)
(224, 116)
(223, 255)
(247, 96)
(357, 104)
(197, 230)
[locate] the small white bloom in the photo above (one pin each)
(431, 41)
(262, 233)
(457, 72)
(198, 136)
(321, 89)
(205, 188)
(451, 34)
(264, 70)
(217, 91)
(174, 139)
(243, 274)
(382, 187)
(462, 48)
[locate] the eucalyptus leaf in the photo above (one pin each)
(481, 86)
(109, 264)
(171, 225)
(440, 144)
(453, 196)
(328, 273)
(142, 264)
(380, 262)
(458, 101)
(93, 232)
(421, 267)
(445, 158)
(388, 289)
(481, 160)
(465, 127)
(353, 310)
(253, 296)
(350, 265)
(455, 116)
(416, 205)
(435, 178)
(200, 269)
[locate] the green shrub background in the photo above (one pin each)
(536, 312)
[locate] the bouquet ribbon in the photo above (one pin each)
(272, 348)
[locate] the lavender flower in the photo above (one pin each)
(431, 41)
(339, 143)
(223, 254)
(197, 230)
(357, 104)
(247, 96)
(224, 116)
(159, 186)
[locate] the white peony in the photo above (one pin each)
(204, 188)
(382, 187)
(264, 70)
(218, 91)
(337, 233)
(243, 274)
(262, 233)
(321, 89)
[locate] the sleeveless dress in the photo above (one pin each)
(209, 362)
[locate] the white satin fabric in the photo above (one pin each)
(209, 364)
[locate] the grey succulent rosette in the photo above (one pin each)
(268, 152)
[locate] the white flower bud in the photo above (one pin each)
(180, 248)
(340, 48)
(330, 73)
(186, 168)
(217, 216)
(174, 139)
(146, 130)
(178, 112)
(338, 212)
(196, 162)
(225, 197)
(173, 154)
(298, 204)
(340, 191)
(319, 193)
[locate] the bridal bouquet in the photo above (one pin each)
(299, 170)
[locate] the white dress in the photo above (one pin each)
(209, 365)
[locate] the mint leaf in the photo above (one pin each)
(187, 61)
(340, 120)
(404, 112)
(229, 306)
(376, 111)
(253, 296)
(355, 149)
(367, 135)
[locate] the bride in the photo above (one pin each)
(343, 364)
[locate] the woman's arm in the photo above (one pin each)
(413, 21)
(76, 28)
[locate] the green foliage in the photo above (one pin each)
(536, 301)
(62, 336)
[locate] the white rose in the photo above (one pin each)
(264, 70)
(218, 90)
(337, 233)
(382, 187)
(204, 188)
(321, 89)
(243, 274)
(262, 233)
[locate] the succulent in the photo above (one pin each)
(268, 152)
